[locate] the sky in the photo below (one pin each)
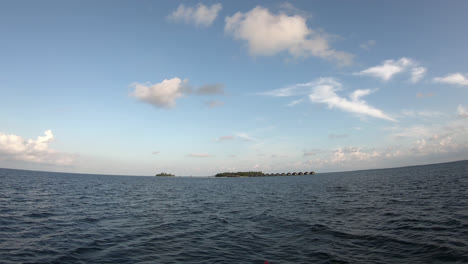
(197, 88)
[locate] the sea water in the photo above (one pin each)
(404, 215)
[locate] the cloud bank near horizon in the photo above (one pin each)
(13, 147)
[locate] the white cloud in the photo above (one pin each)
(165, 93)
(390, 68)
(454, 78)
(267, 34)
(300, 88)
(283, 92)
(237, 136)
(461, 111)
(416, 131)
(245, 136)
(13, 147)
(353, 154)
(435, 144)
(417, 73)
(295, 102)
(325, 92)
(201, 15)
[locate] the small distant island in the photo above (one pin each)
(163, 174)
(260, 174)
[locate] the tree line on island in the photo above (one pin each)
(163, 174)
(260, 174)
(246, 174)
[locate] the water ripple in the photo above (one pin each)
(405, 215)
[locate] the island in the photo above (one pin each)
(260, 174)
(163, 174)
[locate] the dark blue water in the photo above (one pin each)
(406, 215)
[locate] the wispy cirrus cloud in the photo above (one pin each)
(423, 95)
(421, 113)
(224, 138)
(368, 44)
(199, 155)
(201, 15)
(454, 79)
(240, 136)
(335, 136)
(324, 90)
(417, 73)
(389, 68)
(165, 93)
(267, 34)
(295, 102)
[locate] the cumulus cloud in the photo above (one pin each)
(199, 155)
(461, 111)
(201, 15)
(435, 144)
(268, 34)
(389, 68)
(325, 90)
(165, 93)
(454, 79)
(13, 147)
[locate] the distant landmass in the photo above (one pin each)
(163, 174)
(260, 174)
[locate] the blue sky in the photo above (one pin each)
(195, 88)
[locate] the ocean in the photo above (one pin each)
(404, 215)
